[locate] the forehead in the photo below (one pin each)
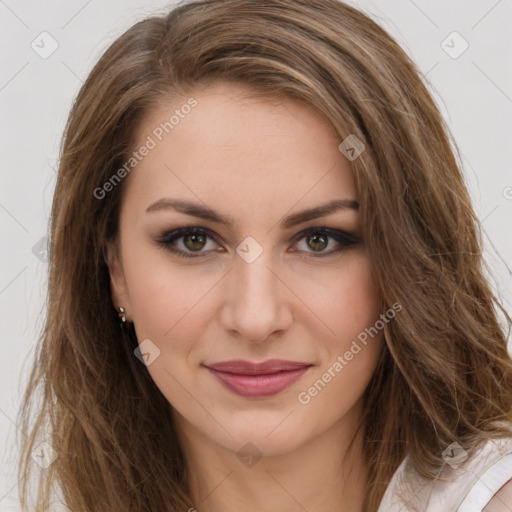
(224, 147)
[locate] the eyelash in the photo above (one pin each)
(343, 238)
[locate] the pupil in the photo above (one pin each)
(194, 237)
(316, 242)
(317, 237)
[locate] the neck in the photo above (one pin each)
(320, 475)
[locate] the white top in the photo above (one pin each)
(459, 487)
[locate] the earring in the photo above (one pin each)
(122, 316)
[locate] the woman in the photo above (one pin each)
(264, 197)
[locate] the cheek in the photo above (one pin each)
(349, 306)
(336, 305)
(166, 299)
(344, 297)
(169, 308)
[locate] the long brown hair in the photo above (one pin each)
(444, 374)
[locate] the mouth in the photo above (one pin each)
(258, 380)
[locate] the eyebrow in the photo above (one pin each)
(204, 212)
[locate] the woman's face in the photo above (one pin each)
(270, 283)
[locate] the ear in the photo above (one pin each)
(118, 288)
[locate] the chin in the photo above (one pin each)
(272, 434)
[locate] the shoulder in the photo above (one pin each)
(492, 490)
(502, 500)
(483, 482)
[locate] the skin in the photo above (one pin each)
(502, 500)
(257, 161)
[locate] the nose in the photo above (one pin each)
(256, 308)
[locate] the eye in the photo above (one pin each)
(317, 239)
(194, 241)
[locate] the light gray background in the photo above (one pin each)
(474, 92)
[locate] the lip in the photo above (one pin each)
(258, 379)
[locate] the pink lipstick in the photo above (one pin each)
(257, 380)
